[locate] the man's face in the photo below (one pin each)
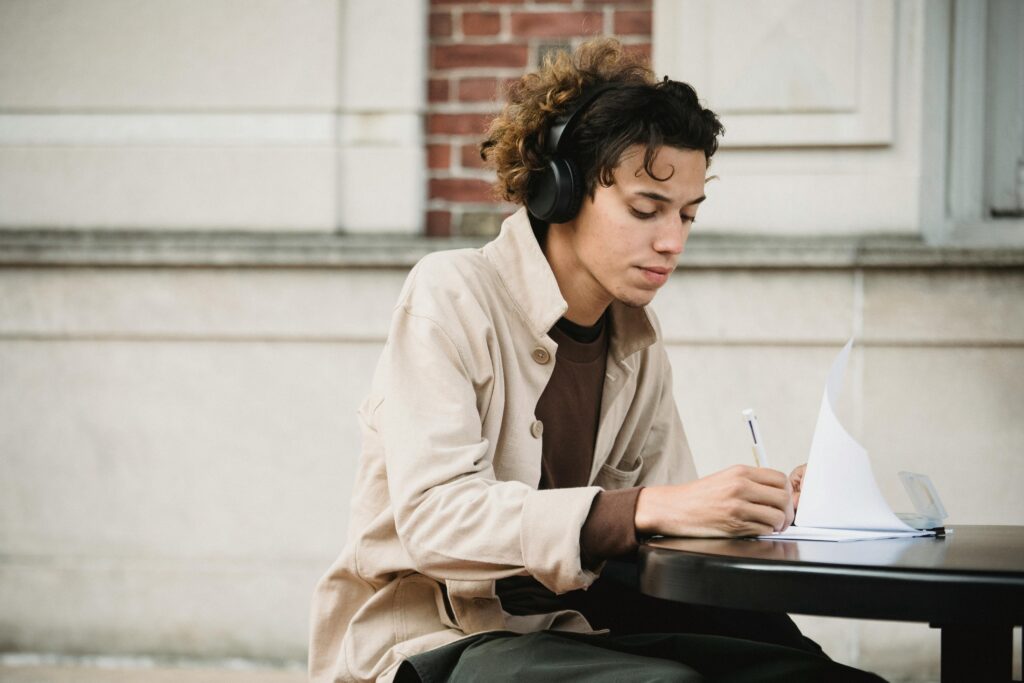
(626, 240)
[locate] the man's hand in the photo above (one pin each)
(738, 501)
(796, 480)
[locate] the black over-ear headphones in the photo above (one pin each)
(556, 192)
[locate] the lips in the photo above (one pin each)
(656, 275)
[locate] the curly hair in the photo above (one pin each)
(637, 110)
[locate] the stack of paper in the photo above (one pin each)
(839, 498)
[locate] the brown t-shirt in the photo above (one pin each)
(570, 410)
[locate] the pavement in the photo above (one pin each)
(83, 674)
(49, 669)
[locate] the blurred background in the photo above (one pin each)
(207, 209)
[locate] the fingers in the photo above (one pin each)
(763, 497)
(796, 477)
(755, 519)
(790, 515)
(766, 476)
(776, 494)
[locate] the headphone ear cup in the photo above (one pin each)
(574, 196)
(556, 192)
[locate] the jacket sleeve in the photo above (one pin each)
(454, 518)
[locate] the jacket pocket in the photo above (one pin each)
(418, 607)
(614, 478)
(475, 605)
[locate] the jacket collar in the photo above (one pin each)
(531, 285)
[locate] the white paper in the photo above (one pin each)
(839, 491)
(807, 533)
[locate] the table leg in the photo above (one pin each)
(976, 653)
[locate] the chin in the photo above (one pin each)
(636, 299)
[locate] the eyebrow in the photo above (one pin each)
(662, 198)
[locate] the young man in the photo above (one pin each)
(521, 431)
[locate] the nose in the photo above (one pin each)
(671, 236)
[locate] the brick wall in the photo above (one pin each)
(475, 49)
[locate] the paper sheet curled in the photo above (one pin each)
(839, 490)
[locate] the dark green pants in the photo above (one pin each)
(650, 640)
(562, 658)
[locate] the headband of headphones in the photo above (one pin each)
(563, 126)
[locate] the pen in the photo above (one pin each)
(760, 455)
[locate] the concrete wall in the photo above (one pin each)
(177, 449)
(179, 444)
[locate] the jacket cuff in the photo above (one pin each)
(550, 536)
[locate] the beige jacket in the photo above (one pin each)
(446, 491)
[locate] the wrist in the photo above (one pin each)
(644, 518)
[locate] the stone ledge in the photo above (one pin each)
(311, 250)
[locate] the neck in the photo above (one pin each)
(586, 298)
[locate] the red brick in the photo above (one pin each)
(477, 2)
(438, 90)
(478, 89)
(461, 189)
(505, 84)
(633, 23)
(439, 156)
(457, 124)
(440, 24)
(470, 157)
(481, 23)
(439, 223)
(642, 49)
(630, 4)
(455, 56)
(556, 24)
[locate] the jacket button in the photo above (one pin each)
(537, 429)
(541, 355)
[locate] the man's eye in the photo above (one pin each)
(687, 218)
(641, 214)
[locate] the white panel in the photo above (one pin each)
(196, 610)
(381, 188)
(178, 129)
(954, 414)
(226, 54)
(242, 188)
(379, 129)
(844, 198)
(698, 306)
(383, 55)
(796, 57)
(197, 451)
(801, 72)
(945, 307)
(199, 303)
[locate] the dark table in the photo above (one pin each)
(969, 584)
